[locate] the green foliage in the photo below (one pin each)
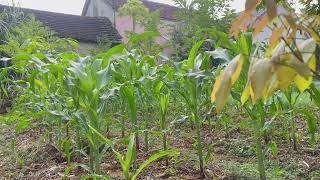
(197, 19)
(136, 10)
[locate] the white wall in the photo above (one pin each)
(100, 8)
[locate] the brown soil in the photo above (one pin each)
(43, 161)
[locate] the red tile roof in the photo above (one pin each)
(81, 28)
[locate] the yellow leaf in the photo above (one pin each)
(285, 75)
(223, 92)
(260, 76)
(246, 93)
(238, 23)
(303, 83)
(225, 80)
(275, 36)
(271, 9)
(215, 87)
(261, 25)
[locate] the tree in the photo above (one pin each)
(136, 10)
(311, 7)
(215, 14)
(197, 18)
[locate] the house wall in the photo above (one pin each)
(124, 23)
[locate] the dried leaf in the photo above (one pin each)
(225, 80)
(260, 76)
(275, 36)
(271, 9)
(290, 22)
(236, 25)
(261, 25)
(251, 4)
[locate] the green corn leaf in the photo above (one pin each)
(153, 158)
(113, 51)
(193, 54)
(130, 153)
(312, 125)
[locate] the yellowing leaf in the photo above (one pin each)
(225, 80)
(307, 49)
(246, 93)
(275, 36)
(260, 26)
(271, 9)
(300, 81)
(238, 23)
(285, 75)
(301, 68)
(260, 77)
(215, 87)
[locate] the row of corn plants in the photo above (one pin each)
(80, 100)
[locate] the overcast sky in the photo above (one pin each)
(75, 6)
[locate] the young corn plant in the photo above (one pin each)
(163, 99)
(86, 83)
(192, 76)
(127, 160)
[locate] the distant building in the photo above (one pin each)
(109, 8)
(86, 30)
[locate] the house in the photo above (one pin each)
(86, 30)
(109, 8)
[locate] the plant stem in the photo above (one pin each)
(146, 138)
(164, 136)
(198, 129)
(293, 132)
(259, 151)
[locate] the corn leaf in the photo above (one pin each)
(303, 83)
(224, 82)
(260, 76)
(153, 158)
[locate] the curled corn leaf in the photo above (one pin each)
(225, 80)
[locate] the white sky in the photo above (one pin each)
(75, 6)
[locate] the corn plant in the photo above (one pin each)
(163, 104)
(192, 76)
(86, 82)
(126, 161)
